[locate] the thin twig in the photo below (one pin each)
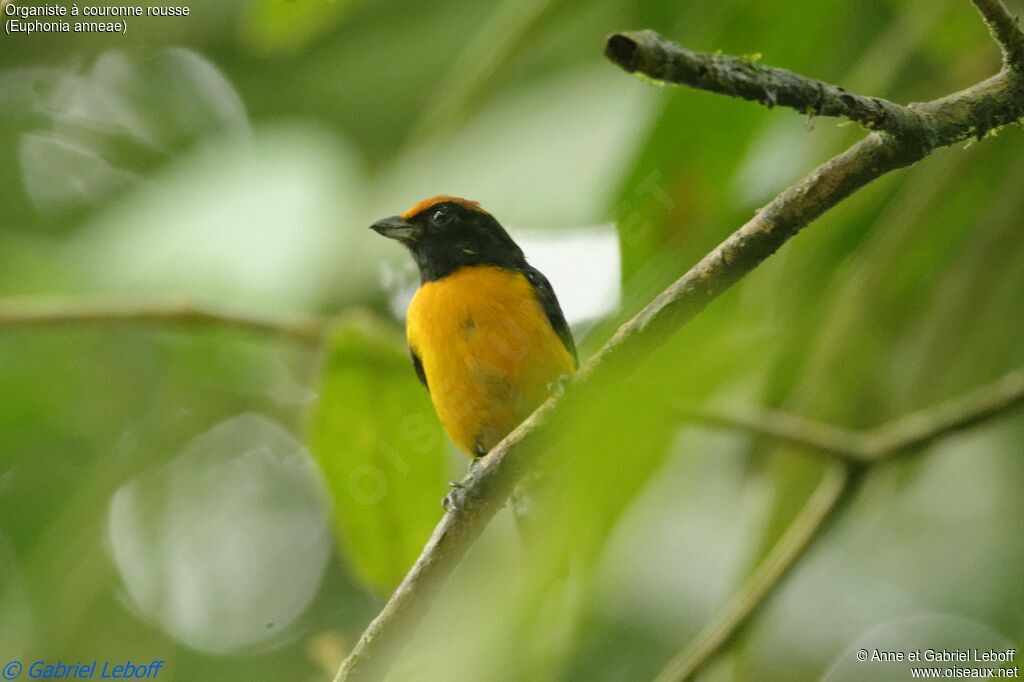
(1005, 29)
(850, 449)
(922, 428)
(817, 437)
(833, 489)
(907, 138)
(910, 432)
(32, 314)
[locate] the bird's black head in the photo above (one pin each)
(446, 233)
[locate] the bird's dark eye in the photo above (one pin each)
(441, 217)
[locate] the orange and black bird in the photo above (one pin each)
(485, 331)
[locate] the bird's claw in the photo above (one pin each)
(454, 500)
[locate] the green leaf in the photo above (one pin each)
(381, 448)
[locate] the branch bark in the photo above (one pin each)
(904, 135)
(28, 314)
(1005, 29)
(648, 53)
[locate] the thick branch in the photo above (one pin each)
(909, 137)
(648, 53)
(1005, 28)
(20, 314)
(921, 128)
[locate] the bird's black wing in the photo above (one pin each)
(418, 366)
(547, 298)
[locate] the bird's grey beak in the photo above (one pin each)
(396, 228)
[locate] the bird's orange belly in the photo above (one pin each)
(489, 353)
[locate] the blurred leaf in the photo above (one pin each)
(481, 57)
(130, 169)
(607, 442)
(243, 512)
(265, 219)
(289, 25)
(530, 187)
(100, 129)
(381, 448)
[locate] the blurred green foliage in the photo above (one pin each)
(381, 449)
(276, 26)
(237, 155)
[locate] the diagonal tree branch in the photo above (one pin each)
(922, 428)
(830, 442)
(832, 490)
(854, 448)
(850, 450)
(33, 314)
(904, 138)
(893, 438)
(1005, 29)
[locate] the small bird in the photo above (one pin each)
(485, 331)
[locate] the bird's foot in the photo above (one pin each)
(454, 500)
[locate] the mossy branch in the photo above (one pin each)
(1005, 29)
(648, 53)
(900, 136)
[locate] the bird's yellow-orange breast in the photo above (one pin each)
(489, 352)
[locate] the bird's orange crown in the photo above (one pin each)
(421, 206)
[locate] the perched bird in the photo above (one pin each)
(485, 331)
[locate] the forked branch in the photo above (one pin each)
(850, 452)
(903, 135)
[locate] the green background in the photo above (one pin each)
(240, 505)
